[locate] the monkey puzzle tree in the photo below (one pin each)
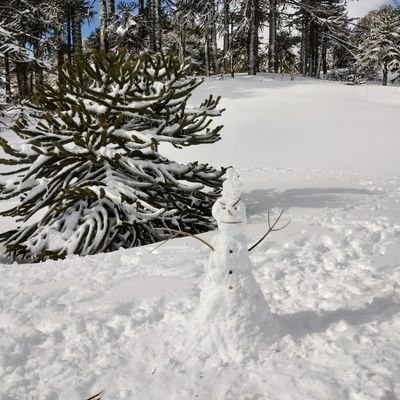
(87, 158)
(379, 44)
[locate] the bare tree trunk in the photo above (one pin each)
(103, 25)
(324, 60)
(155, 10)
(182, 43)
(22, 79)
(311, 51)
(213, 32)
(206, 56)
(38, 70)
(110, 9)
(60, 53)
(226, 34)
(21, 93)
(77, 29)
(38, 77)
(304, 46)
(69, 38)
(385, 76)
(319, 63)
(25, 81)
(31, 75)
(152, 12)
(8, 77)
(253, 39)
(272, 36)
(141, 7)
(232, 66)
(158, 25)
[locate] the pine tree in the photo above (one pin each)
(88, 159)
(379, 46)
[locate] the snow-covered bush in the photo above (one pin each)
(87, 159)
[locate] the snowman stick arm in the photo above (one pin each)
(163, 242)
(271, 228)
(178, 232)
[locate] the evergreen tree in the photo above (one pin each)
(127, 29)
(322, 23)
(379, 45)
(88, 158)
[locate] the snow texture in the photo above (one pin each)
(120, 321)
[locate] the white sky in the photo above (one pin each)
(358, 8)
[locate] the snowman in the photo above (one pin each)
(233, 318)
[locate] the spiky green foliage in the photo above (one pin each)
(87, 159)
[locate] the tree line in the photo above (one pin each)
(310, 37)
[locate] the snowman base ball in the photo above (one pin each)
(233, 318)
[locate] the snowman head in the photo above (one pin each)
(229, 211)
(232, 187)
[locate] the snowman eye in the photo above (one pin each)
(224, 208)
(235, 208)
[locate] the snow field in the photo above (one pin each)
(119, 321)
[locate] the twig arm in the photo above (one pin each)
(178, 232)
(271, 228)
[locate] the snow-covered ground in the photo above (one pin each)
(326, 153)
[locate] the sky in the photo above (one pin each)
(357, 8)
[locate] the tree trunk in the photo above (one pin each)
(69, 37)
(253, 39)
(320, 57)
(22, 79)
(182, 44)
(8, 77)
(304, 46)
(25, 81)
(226, 34)
(155, 42)
(77, 29)
(21, 93)
(272, 36)
(38, 70)
(213, 34)
(103, 25)
(385, 76)
(232, 65)
(60, 53)
(158, 25)
(141, 7)
(206, 56)
(110, 9)
(324, 58)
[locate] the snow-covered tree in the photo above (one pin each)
(322, 23)
(379, 45)
(88, 162)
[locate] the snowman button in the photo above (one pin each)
(230, 272)
(231, 251)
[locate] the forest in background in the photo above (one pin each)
(315, 38)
